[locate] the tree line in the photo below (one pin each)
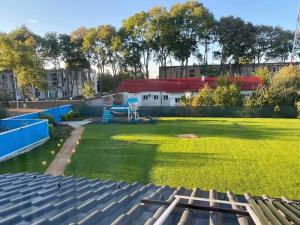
(185, 31)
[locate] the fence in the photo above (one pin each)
(56, 113)
(17, 141)
(209, 111)
(24, 132)
(219, 111)
(87, 110)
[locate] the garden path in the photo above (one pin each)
(63, 157)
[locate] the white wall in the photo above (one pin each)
(160, 101)
(151, 101)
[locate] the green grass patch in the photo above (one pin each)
(242, 155)
(32, 161)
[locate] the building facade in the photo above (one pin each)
(167, 92)
(215, 70)
(61, 84)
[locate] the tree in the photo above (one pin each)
(263, 73)
(139, 32)
(281, 45)
(74, 59)
(29, 38)
(20, 59)
(51, 49)
(110, 83)
(33, 41)
(115, 56)
(71, 53)
(283, 89)
(285, 86)
(97, 45)
(190, 19)
(204, 97)
(87, 89)
(223, 80)
(161, 29)
(227, 96)
(130, 55)
(260, 97)
(236, 39)
(262, 44)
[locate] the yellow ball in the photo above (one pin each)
(44, 163)
(58, 145)
(61, 140)
(77, 142)
(52, 152)
(68, 161)
(73, 151)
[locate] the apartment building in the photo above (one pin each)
(61, 84)
(215, 70)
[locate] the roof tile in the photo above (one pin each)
(180, 85)
(60, 200)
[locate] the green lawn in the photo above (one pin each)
(242, 155)
(32, 161)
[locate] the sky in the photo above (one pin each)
(64, 16)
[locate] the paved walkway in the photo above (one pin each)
(60, 161)
(77, 124)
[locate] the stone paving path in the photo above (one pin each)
(76, 124)
(60, 161)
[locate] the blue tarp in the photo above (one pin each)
(56, 113)
(24, 131)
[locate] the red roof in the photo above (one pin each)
(179, 85)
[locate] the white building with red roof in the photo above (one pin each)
(167, 92)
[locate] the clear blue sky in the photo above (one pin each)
(65, 15)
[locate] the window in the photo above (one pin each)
(166, 97)
(177, 100)
(192, 72)
(145, 97)
(155, 97)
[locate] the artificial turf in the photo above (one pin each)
(238, 154)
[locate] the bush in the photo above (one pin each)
(51, 130)
(4, 98)
(204, 97)
(264, 73)
(298, 108)
(48, 117)
(3, 112)
(70, 115)
(60, 131)
(221, 96)
(285, 86)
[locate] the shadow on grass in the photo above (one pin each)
(31, 161)
(133, 161)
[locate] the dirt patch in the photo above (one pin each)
(187, 135)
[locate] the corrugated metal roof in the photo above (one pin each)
(29, 198)
(179, 85)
